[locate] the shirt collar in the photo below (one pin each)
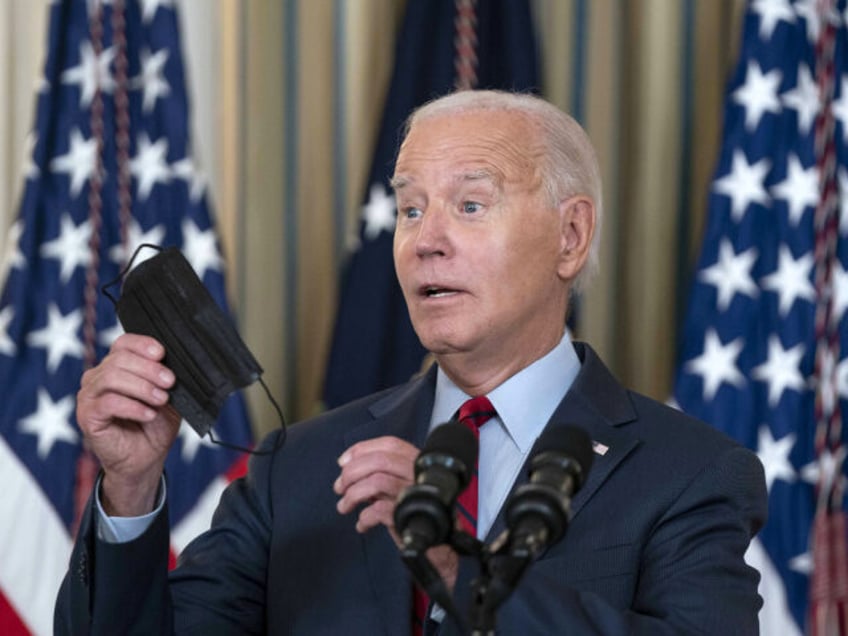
(524, 402)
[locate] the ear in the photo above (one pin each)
(577, 227)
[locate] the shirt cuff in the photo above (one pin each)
(125, 529)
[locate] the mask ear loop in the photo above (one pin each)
(283, 425)
(105, 289)
(280, 440)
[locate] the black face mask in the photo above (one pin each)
(163, 298)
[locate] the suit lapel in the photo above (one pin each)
(404, 414)
(598, 404)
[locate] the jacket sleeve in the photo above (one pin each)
(116, 587)
(217, 587)
(692, 577)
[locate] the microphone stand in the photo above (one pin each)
(427, 576)
(502, 564)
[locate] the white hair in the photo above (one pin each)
(570, 166)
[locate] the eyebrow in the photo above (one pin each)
(479, 175)
(397, 183)
(482, 174)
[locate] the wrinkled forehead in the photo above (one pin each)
(504, 145)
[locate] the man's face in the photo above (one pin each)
(478, 243)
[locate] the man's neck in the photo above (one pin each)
(478, 374)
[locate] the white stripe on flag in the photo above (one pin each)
(34, 545)
(774, 615)
(199, 517)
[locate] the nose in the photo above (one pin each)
(433, 238)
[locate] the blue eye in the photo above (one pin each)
(412, 213)
(470, 207)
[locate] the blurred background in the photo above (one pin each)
(281, 117)
(286, 101)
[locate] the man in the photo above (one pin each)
(498, 208)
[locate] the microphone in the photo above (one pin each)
(424, 512)
(537, 514)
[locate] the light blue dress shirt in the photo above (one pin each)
(525, 403)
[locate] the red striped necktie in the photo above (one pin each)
(472, 414)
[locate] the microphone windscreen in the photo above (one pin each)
(569, 441)
(455, 440)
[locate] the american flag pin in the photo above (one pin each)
(600, 449)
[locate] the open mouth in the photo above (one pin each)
(433, 291)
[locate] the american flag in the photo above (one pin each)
(110, 167)
(764, 353)
(442, 45)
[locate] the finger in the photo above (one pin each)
(397, 466)
(389, 455)
(129, 362)
(378, 513)
(375, 487)
(141, 345)
(93, 415)
(141, 384)
(385, 444)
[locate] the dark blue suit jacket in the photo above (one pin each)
(655, 545)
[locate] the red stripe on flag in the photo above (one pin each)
(10, 622)
(238, 469)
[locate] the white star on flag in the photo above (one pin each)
(50, 423)
(191, 442)
(41, 85)
(91, 73)
(825, 468)
(791, 280)
(107, 337)
(13, 257)
(379, 212)
(185, 169)
(781, 370)
(79, 162)
(808, 10)
(744, 184)
(7, 345)
(774, 455)
(842, 175)
(717, 364)
(151, 78)
(804, 99)
(826, 382)
(121, 254)
(150, 166)
(841, 378)
(802, 564)
(758, 95)
(30, 170)
(839, 107)
(200, 248)
(840, 290)
(71, 247)
(731, 273)
(149, 8)
(59, 336)
(800, 188)
(771, 12)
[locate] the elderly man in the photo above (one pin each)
(498, 213)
